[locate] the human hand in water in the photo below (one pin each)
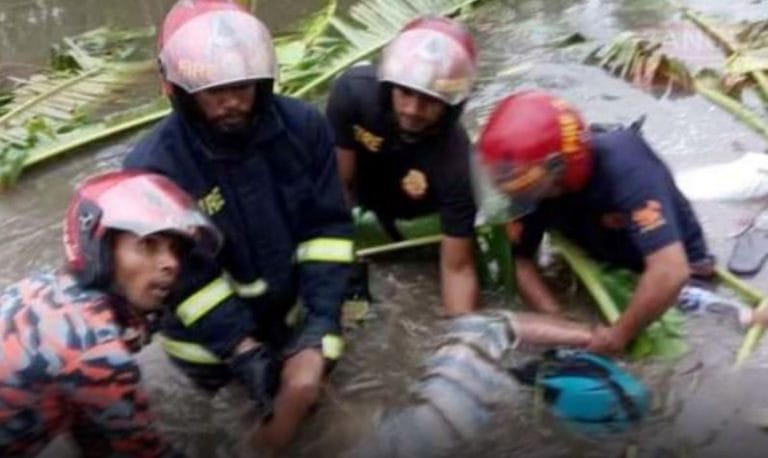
(300, 386)
(607, 341)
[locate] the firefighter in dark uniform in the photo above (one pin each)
(607, 192)
(401, 149)
(263, 168)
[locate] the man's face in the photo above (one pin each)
(146, 268)
(415, 111)
(227, 109)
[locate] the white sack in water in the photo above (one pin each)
(743, 179)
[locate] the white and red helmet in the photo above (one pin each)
(208, 43)
(434, 56)
(131, 201)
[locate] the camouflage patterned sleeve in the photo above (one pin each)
(113, 412)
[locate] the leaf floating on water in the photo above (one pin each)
(93, 76)
(340, 41)
(568, 40)
(643, 63)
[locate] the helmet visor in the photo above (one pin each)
(218, 48)
(518, 189)
(149, 204)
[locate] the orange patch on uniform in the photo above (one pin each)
(414, 184)
(514, 230)
(613, 220)
(648, 217)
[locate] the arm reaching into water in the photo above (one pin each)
(539, 329)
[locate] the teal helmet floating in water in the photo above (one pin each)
(586, 388)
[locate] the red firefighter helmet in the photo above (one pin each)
(132, 201)
(534, 140)
(432, 55)
(209, 43)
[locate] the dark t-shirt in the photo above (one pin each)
(629, 208)
(362, 122)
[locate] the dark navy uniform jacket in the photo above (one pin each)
(362, 121)
(629, 208)
(287, 230)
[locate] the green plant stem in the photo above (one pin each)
(58, 88)
(96, 136)
(734, 107)
(754, 334)
(587, 273)
(397, 246)
(728, 47)
(749, 294)
(753, 297)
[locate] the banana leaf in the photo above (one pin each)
(708, 84)
(352, 38)
(736, 49)
(643, 63)
(94, 90)
(754, 35)
(101, 74)
(611, 289)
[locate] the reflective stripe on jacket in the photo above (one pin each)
(288, 232)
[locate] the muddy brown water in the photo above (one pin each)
(701, 407)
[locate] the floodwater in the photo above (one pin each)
(701, 407)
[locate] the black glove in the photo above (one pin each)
(259, 370)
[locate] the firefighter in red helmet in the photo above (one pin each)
(606, 191)
(402, 152)
(68, 335)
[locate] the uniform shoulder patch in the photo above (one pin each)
(649, 216)
(370, 141)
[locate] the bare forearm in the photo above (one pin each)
(658, 287)
(458, 279)
(300, 384)
(460, 290)
(532, 288)
(537, 329)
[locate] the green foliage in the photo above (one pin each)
(336, 42)
(369, 233)
(643, 63)
(611, 289)
(94, 77)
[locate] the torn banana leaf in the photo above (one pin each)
(98, 88)
(643, 63)
(732, 45)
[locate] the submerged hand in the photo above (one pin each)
(607, 341)
(300, 385)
